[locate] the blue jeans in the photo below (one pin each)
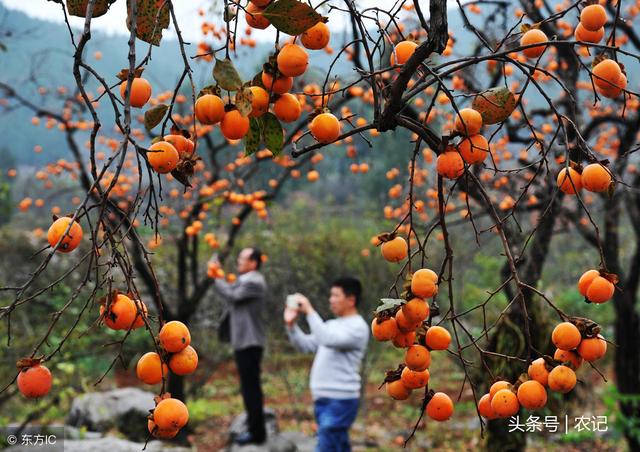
(334, 418)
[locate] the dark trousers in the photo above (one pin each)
(248, 363)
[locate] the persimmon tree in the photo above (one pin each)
(532, 129)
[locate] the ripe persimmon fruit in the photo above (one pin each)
(234, 126)
(569, 181)
(292, 60)
(416, 310)
(150, 369)
(209, 109)
(450, 164)
(533, 36)
(159, 433)
(497, 386)
(121, 314)
(259, 101)
(562, 379)
(404, 339)
(325, 128)
(566, 336)
(414, 379)
(437, 338)
(170, 414)
(174, 336)
(58, 230)
(424, 283)
(474, 149)
(595, 288)
(532, 395)
(287, 108)
(569, 356)
(141, 313)
(505, 403)
(606, 73)
(394, 250)
(538, 371)
(593, 17)
(384, 330)
(140, 91)
(417, 357)
(281, 84)
(404, 325)
(163, 157)
(582, 34)
(183, 145)
(402, 52)
(440, 407)
(34, 381)
(468, 122)
(397, 390)
(184, 362)
(316, 37)
(593, 348)
(255, 18)
(596, 178)
(485, 409)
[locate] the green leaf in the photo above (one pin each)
(252, 138)
(79, 7)
(243, 101)
(150, 20)
(226, 75)
(154, 115)
(389, 303)
(291, 16)
(272, 133)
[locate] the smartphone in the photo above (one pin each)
(292, 301)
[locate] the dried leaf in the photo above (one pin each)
(226, 75)
(154, 115)
(151, 19)
(495, 104)
(243, 100)
(79, 7)
(292, 16)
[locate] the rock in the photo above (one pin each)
(239, 424)
(106, 444)
(280, 442)
(125, 408)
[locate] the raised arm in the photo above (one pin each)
(334, 337)
(238, 291)
(304, 342)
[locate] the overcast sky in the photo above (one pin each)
(114, 21)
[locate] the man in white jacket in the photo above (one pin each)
(339, 345)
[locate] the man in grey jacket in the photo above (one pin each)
(339, 345)
(245, 301)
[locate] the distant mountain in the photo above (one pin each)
(39, 54)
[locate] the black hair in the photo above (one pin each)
(350, 286)
(256, 256)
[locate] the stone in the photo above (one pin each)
(106, 444)
(101, 411)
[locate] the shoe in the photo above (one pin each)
(246, 438)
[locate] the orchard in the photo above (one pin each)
(494, 132)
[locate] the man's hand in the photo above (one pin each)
(305, 304)
(290, 316)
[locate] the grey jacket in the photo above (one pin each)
(245, 301)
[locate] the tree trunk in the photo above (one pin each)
(627, 364)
